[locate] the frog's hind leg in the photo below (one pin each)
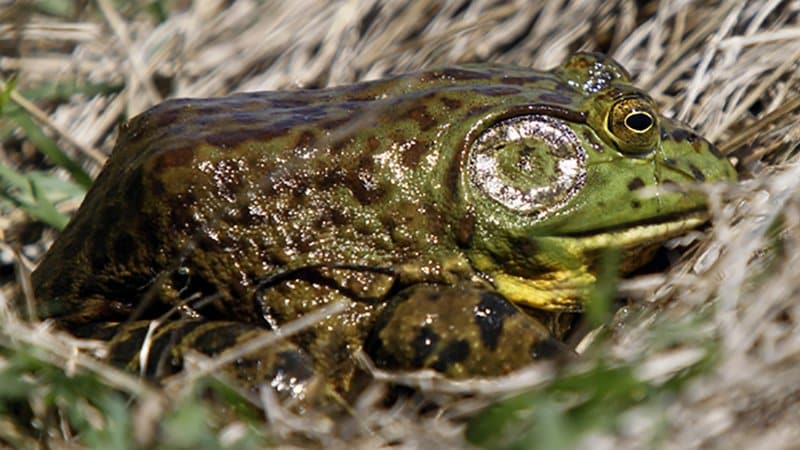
(459, 330)
(162, 352)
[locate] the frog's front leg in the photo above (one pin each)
(459, 330)
(283, 365)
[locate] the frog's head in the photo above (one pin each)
(548, 189)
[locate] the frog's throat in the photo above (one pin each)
(566, 290)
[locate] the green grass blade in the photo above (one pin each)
(49, 148)
(37, 193)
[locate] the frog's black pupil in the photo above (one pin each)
(639, 121)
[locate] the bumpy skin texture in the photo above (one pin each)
(469, 186)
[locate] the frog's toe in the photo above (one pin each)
(460, 331)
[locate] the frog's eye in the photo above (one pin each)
(531, 164)
(633, 125)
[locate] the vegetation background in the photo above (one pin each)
(705, 352)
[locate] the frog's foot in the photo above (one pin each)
(161, 352)
(459, 330)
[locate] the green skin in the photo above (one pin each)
(243, 213)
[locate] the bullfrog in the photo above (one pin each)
(456, 212)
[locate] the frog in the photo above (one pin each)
(455, 213)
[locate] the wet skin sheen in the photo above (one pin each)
(452, 210)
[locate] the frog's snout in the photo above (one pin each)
(698, 162)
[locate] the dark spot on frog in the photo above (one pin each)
(636, 204)
(219, 338)
(373, 143)
(267, 134)
(181, 209)
(124, 245)
(555, 97)
(302, 242)
(423, 345)
(451, 103)
(231, 138)
(276, 255)
(424, 120)
(697, 173)
(327, 180)
(490, 315)
(157, 190)
(248, 363)
(336, 123)
(664, 135)
(565, 89)
(288, 101)
(548, 348)
(478, 111)
(91, 288)
(305, 139)
(99, 254)
(454, 352)
(294, 364)
(359, 93)
(334, 216)
(432, 296)
(524, 246)
(413, 151)
(178, 157)
(522, 81)
(366, 165)
(680, 134)
(366, 195)
(714, 151)
(670, 162)
(165, 116)
(244, 117)
(244, 215)
(466, 228)
(100, 331)
(672, 184)
(495, 91)
(635, 184)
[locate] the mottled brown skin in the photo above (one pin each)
(240, 214)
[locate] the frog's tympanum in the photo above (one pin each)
(454, 210)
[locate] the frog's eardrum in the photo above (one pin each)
(531, 164)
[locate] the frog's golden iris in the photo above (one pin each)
(633, 126)
(432, 203)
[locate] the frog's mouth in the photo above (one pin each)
(628, 234)
(566, 290)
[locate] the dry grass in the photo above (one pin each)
(730, 68)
